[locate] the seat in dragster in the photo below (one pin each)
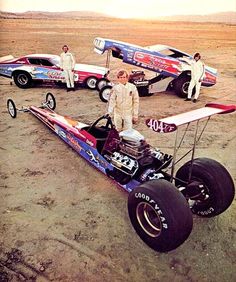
(160, 202)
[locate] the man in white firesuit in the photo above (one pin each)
(67, 64)
(124, 102)
(197, 75)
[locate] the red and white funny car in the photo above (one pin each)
(45, 67)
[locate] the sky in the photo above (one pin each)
(123, 8)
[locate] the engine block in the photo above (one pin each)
(124, 163)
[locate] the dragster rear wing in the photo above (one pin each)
(170, 124)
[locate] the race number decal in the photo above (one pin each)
(160, 126)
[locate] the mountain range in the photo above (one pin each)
(224, 17)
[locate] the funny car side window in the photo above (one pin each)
(34, 61)
(46, 63)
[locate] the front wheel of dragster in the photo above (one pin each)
(210, 188)
(11, 107)
(50, 101)
(105, 93)
(160, 215)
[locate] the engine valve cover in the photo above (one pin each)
(124, 163)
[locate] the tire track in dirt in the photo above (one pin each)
(93, 255)
(13, 264)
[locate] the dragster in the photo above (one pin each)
(161, 203)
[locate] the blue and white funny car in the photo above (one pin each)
(171, 64)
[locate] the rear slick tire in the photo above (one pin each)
(216, 183)
(181, 85)
(160, 215)
(22, 79)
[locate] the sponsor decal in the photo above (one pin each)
(80, 134)
(62, 134)
(207, 212)
(96, 159)
(73, 142)
(154, 205)
(209, 78)
(145, 174)
(89, 142)
(155, 62)
(5, 70)
(92, 158)
(55, 74)
(160, 126)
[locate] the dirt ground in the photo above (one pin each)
(61, 220)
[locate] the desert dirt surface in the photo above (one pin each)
(60, 219)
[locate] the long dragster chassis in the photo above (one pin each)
(160, 202)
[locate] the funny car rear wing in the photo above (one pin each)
(171, 124)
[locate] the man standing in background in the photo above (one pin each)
(67, 64)
(197, 75)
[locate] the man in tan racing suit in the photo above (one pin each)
(67, 64)
(124, 102)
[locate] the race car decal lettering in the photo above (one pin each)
(162, 218)
(55, 75)
(156, 207)
(159, 212)
(209, 78)
(155, 62)
(62, 134)
(20, 62)
(209, 211)
(89, 142)
(142, 196)
(73, 142)
(159, 126)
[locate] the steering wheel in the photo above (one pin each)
(108, 125)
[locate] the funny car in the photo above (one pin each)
(45, 67)
(171, 64)
(160, 202)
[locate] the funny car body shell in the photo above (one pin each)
(45, 67)
(168, 61)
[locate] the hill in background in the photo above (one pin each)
(224, 17)
(48, 15)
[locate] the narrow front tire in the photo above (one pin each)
(50, 101)
(11, 107)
